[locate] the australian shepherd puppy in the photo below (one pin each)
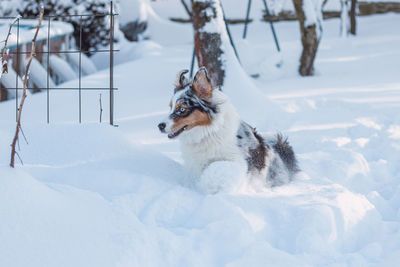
(210, 130)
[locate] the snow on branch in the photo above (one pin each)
(4, 51)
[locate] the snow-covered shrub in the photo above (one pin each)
(8, 7)
(95, 29)
(133, 29)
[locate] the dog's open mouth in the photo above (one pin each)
(178, 132)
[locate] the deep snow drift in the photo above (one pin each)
(95, 195)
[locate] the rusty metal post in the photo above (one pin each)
(229, 34)
(271, 24)
(247, 19)
(192, 62)
(80, 69)
(111, 65)
(17, 71)
(48, 71)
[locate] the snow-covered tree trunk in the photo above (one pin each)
(344, 18)
(208, 24)
(309, 14)
(353, 17)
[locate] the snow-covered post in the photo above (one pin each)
(309, 14)
(208, 24)
(344, 18)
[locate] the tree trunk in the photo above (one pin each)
(207, 38)
(309, 38)
(353, 17)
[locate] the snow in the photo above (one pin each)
(131, 10)
(87, 66)
(9, 81)
(94, 195)
(38, 75)
(62, 69)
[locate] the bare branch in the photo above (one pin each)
(18, 128)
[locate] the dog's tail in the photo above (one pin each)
(286, 153)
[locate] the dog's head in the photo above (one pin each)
(190, 105)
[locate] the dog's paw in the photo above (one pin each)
(222, 176)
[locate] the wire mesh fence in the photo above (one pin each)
(46, 51)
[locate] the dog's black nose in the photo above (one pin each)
(162, 126)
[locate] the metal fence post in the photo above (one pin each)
(48, 71)
(247, 19)
(16, 78)
(111, 65)
(80, 69)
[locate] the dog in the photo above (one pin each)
(210, 130)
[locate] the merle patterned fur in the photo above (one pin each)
(192, 102)
(258, 149)
(285, 151)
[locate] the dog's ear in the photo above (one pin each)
(181, 80)
(202, 85)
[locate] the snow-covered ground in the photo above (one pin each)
(94, 195)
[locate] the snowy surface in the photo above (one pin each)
(95, 195)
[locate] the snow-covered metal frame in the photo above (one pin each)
(48, 39)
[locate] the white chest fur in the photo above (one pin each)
(217, 142)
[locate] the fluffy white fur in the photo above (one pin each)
(206, 144)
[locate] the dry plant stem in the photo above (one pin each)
(32, 54)
(4, 54)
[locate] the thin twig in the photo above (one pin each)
(23, 134)
(18, 128)
(19, 158)
(4, 53)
